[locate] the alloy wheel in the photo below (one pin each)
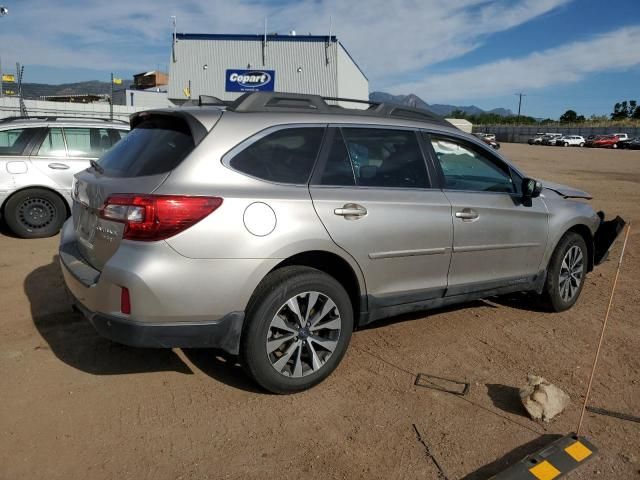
(571, 273)
(303, 334)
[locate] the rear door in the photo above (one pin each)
(498, 239)
(137, 164)
(373, 192)
(65, 151)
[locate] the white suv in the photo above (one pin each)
(571, 141)
(38, 158)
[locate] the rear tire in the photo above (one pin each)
(581, 144)
(566, 272)
(288, 351)
(35, 213)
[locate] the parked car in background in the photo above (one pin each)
(486, 136)
(489, 139)
(551, 138)
(591, 139)
(536, 139)
(272, 232)
(622, 136)
(605, 141)
(38, 158)
(630, 144)
(571, 141)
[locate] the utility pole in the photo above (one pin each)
(23, 107)
(111, 99)
(519, 95)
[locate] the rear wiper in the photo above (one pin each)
(96, 166)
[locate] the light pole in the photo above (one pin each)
(3, 12)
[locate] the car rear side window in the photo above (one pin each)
(87, 142)
(375, 157)
(157, 145)
(284, 156)
(14, 141)
(53, 144)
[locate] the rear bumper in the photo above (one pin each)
(224, 333)
(175, 301)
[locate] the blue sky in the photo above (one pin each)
(580, 54)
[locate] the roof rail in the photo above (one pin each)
(49, 118)
(210, 100)
(302, 103)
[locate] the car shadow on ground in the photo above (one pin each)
(222, 367)
(528, 301)
(74, 341)
(515, 455)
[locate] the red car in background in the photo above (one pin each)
(604, 141)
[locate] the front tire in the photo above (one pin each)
(566, 273)
(298, 328)
(35, 213)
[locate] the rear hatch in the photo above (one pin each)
(138, 164)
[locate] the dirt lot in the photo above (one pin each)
(74, 405)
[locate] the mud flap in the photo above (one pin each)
(606, 234)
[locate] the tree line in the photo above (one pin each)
(625, 110)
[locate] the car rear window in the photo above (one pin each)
(155, 146)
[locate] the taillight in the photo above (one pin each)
(156, 217)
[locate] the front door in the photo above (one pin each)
(372, 191)
(498, 239)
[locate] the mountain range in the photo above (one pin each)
(92, 87)
(414, 101)
(96, 87)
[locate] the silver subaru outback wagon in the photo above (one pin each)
(38, 158)
(272, 227)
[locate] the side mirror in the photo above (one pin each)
(531, 188)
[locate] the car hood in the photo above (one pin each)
(565, 191)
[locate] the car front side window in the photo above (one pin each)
(464, 168)
(13, 141)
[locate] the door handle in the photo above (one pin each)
(351, 210)
(58, 166)
(467, 214)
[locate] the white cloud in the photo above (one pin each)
(566, 64)
(389, 38)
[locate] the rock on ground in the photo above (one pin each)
(542, 399)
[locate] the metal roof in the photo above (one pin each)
(257, 37)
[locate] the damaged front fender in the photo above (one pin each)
(605, 236)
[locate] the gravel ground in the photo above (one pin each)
(74, 405)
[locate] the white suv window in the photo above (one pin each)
(13, 141)
(53, 145)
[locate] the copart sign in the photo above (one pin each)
(250, 80)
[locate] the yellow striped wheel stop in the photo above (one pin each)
(553, 461)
